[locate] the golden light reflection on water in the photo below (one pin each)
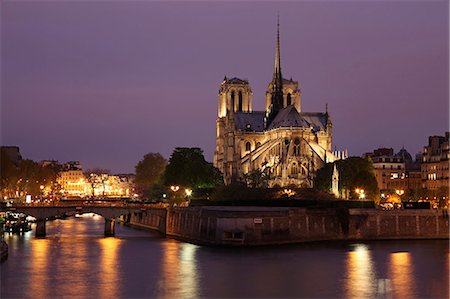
(39, 264)
(401, 273)
(179, 278)
(72, 266)
(361, 280)
(109, 272)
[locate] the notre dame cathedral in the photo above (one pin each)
(285, 143)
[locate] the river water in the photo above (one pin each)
(76, 261)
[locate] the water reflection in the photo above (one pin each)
(361, 280)
(179, 278)
(76, 261)
(402, 275)
(72, 264)
(39, 264)
(110, 267)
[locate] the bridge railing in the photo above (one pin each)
(86, 204)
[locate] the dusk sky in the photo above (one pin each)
(107, 82)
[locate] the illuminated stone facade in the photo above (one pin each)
(72, 182)
(285, 143)
(435, 164)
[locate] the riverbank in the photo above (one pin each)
(243, 226)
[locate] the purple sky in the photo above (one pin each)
(107, 82)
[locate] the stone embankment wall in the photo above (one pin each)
(277, 225)
(152, 218)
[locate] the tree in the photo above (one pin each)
(9, 175)
(354, 172)
(257, 178)
(188, 167)
(149, 172)
(97, 177)
(26, 178)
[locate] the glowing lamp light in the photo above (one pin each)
(361, 193)
(400, 192)
(188, 192)
(174, 188)
(289, 192)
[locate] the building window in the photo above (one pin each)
(248, 146)
(289, 101)
(240, 101)
(294, 169)
(232, 100)
(258, 144)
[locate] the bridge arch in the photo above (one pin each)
(44, 213)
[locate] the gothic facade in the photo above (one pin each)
(285, 143)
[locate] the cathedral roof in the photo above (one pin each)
(250, 121)
(235, 80)
(289, 117)
(317, 120)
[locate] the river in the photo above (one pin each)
(76, 261)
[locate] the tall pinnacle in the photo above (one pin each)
(277, 71)
(276, 101)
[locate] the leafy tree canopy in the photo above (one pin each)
(26, 177)
(149, 170)
(188, 167)
(257, 179)
(354, 172)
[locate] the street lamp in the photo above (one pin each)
(174, 188)
(400, 192)
(360, 193)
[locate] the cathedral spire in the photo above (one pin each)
(277, 78)
(276, 101)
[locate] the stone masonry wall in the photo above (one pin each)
(277, 225)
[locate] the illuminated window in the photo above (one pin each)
(248, 146)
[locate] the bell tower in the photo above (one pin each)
(235, 95)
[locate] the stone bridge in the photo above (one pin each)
(42, 213)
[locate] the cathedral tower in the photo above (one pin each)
(235, 95)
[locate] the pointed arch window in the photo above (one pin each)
(232, 100)
(240, 101)
(248, 146)
(289, 99)
(294, 169)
